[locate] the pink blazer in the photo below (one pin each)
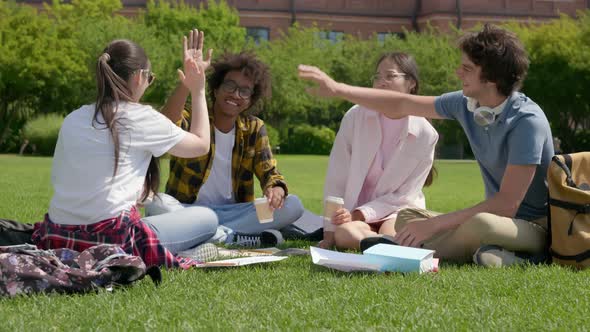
(358, 141)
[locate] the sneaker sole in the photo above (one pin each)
(368, 242)
(271, 237)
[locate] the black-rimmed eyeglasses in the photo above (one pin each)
(230, 86)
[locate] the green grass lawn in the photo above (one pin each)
(296, 295)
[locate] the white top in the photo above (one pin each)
(217, 189)
(85, 191)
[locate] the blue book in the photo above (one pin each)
(401, 259)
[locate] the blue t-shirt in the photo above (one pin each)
(520, 136)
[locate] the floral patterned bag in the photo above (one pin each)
(24, 269)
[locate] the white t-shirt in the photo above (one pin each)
(85, 191)
(217, 190)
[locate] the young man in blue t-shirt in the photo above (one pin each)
(510, 138)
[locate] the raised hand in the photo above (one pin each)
(193, 48)
(327, 87)
(193, 77)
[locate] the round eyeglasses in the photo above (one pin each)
(148, 74)
(389, 77)
(231, 86)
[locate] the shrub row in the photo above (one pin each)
(49, 68)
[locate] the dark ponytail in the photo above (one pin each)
(118, 62)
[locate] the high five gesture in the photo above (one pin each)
(193, 77)
(193, 48)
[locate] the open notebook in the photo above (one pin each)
(242, 261)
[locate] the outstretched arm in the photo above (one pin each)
(391, 103)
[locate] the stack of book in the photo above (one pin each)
(378, 258)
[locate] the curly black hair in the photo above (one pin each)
(249, 65)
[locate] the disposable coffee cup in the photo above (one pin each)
(263, 210)
(331, 205)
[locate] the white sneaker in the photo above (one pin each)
(495, 256)
(203, 253)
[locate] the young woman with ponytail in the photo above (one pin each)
(105, 161)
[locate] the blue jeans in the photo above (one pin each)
(179, 230)
(230, 218)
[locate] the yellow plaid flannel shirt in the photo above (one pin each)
(251, 155)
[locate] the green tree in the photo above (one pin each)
(81, 10)
(40, 68)
(559, 76)
(160, 30)
(219, 21)
(48, 58)
(290, 104)
(88, 26)
(306, 139)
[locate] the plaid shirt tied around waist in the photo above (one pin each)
(127, 230)
(251, 156)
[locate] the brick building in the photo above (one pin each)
(264, 19)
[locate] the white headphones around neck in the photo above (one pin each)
(484, 115)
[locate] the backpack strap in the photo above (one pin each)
(13, 233)
(15, 226)
(578, 258)
(580, 208)
(568, 160)
(155, 274)
(566, 168)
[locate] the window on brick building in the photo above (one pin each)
(382, 36)
(258, 34)
(333, 36)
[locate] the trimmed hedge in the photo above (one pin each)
(42, 133)
(61, 78)
(273, 136)
(306, 139)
